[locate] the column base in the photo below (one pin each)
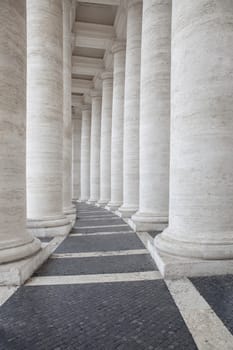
(92, 201)
(174, 267)
(113, 206)
(49, 227)
(16, 273)
(83, 200)
(205, 249)
(21, 250)
(144, 222)
(126, 212)
(102, 203)
(71, 214)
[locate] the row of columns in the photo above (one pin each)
(35, 128)
(170, 125)
(197, 207)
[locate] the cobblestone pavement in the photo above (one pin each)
(101, 290)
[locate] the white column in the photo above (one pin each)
(76, 140)
(44, 129)
(131, 110)
(85, 153)
(68, 207)
(15, 242)
(118, 51)
(96, 99)
(154, 116)
(201, 185)
(105, 148)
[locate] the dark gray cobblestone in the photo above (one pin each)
(90, 210)
(99, 222)
(125, 241)
(97, 265)
(102, 229)
(113, 316)
(99, 215)
(218, 292)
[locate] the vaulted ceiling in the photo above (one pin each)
(97, 23)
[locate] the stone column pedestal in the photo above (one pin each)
(131, 110)
(15, 242)
(76, 139)
(154, 117)
(105, 147)
(44, 118)
(96, 98)
(68, 207)
(85, 153)
(118, 51)
(199, 239)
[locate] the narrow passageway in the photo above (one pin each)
(99, 290)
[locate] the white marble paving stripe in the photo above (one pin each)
(98, 233)
(144, 238)
(99, 254)
(102, 278)
(6, 293)
(102, 226)
(208, 331)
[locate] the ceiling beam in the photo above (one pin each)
(77, 101)
(86, 65)
(81, 86)
(97, 36)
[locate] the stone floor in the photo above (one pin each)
(100, 290)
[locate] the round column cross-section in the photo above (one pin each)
(132, 110)
(85, 153)
(105, 147)
(96, 99)
(118, 51)
(201, 178)
(15, 242)
(45, 119)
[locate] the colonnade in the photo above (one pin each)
(171, 130)
(154, 145)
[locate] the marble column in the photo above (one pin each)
(15, 242)
(44, 119)
(76, 141)
(154, 116)
(201, 184)
(85, 153)
(68, 207)
(96, 99)
(132, 110)
(105, 147)
(118, 51)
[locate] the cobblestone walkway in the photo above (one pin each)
(100, 290)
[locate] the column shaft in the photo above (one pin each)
(105, 148)
(118, 51)
(15, 242)
(201, 185)
(131, 110)
(85, 153)
(76, 153)
(68, 207)
(154, 116)
(95, 147)
(45, 125)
